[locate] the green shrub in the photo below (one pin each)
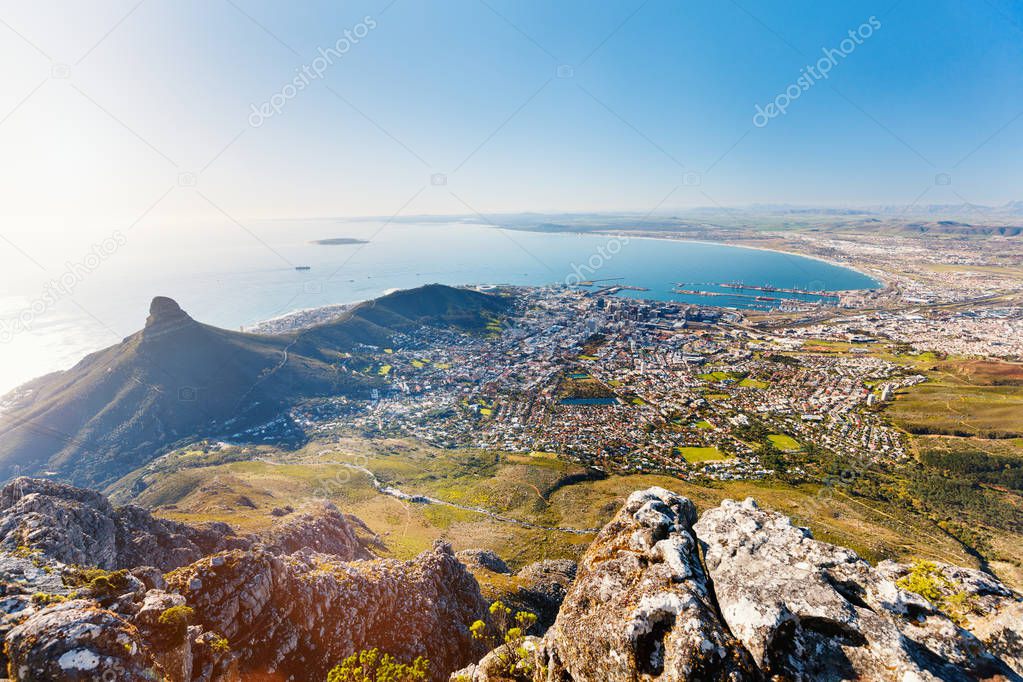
(927, 580)
(45, 599)
(506, 635)
(372, 665)
(173, 623)
(98, 583)
(220, 645)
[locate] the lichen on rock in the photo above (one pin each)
(641, 605)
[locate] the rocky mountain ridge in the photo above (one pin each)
(661, 594)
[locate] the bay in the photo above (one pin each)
(233, 275)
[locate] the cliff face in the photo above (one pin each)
(298, 615)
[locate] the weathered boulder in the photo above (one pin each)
(297, 616)
(76, 640)
(809, 610)
(641, 606)
(78, 526)
(483, 558)
(322, 528)
(987, 608)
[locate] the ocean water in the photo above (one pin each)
(230, 276)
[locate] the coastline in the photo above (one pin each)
(283, 321)
(736, 245)
(266, 326)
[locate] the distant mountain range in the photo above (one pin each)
(178, 379)
(956, 221)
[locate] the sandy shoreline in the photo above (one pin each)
(735, 245)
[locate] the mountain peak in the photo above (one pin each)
(164, 311)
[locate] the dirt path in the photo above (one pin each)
(426, 499)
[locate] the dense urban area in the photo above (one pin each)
(629, 385)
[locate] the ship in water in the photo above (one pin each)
(303, 267)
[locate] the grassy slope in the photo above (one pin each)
(963, 397)
(529, 488)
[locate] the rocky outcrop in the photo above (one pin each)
(990, 610)
(785, 595)
(76, 640)
(483, 558)
(80, 640)
(641, 606)
(297, 616)
(79, 526)
(323, 529)
(61, 622)
(292, 617)
(543, 586)
(767, 601)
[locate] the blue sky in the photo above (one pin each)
(109, 108)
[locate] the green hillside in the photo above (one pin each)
(178, 380)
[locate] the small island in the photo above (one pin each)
(334, 241)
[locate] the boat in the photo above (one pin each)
(303, 267)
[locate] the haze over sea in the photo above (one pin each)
(231, 276)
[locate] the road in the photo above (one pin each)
(426, 499)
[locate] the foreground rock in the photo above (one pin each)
(297, 616)
(773, 604)
(641, 606)
(109, 626)
(785, 595)
(78, 641)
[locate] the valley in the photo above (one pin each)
(535, 489)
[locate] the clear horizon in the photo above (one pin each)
(129, 111)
